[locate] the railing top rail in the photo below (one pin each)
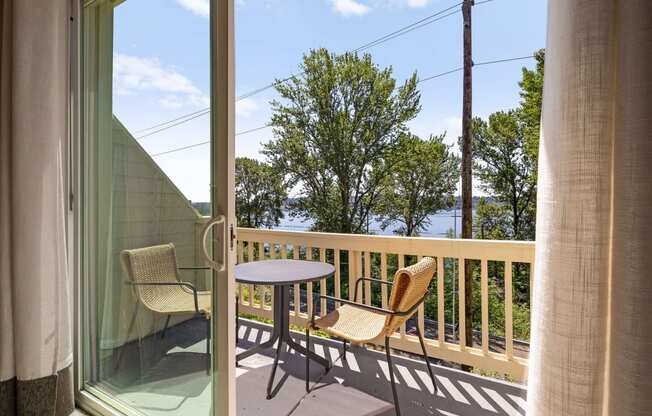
(515, 251)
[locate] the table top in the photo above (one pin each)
(282, 272)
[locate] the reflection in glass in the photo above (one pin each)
(148, 297)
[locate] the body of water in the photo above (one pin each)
(439, 225)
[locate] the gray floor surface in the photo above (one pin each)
(167, 376)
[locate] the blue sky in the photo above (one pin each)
(161, 69)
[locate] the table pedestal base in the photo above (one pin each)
(281, 333)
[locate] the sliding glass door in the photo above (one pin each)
(157, 179)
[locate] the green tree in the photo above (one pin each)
(260, 193)
(506, 156)
(530, 109)
(421, 182)
(334, 128)
(506, 171)
(492, 221)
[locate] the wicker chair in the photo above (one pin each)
(154, 276)
(361, 324)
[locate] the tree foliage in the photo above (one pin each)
(506, 150)
(530, 109)
(492, 221)
(260, 193)
(334, 128)
(506, 170)
(422, 181)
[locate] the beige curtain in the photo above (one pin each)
(35, 306)
(592, 313)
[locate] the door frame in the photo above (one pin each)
(222, 98)
(222, 59)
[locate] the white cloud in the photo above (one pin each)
(133, 73)
(417, 3)
(400, 3)
(245, 107)
(198, 7)
(350, 7)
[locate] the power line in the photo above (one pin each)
(178, 149)
(169, 126)
(432, 18)
(458, 69)
(441, 74)
(503, 60)
(172, 121)
(406, 29)
(253, 130)
(399, 32)
(268, 86)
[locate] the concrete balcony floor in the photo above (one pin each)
(167, 376)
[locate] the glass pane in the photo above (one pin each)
(147, 188)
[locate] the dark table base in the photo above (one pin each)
(281, 333)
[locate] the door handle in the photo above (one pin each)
(215, 265)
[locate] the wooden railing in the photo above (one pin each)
(355, 256)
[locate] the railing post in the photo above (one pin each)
(421, 311)
(338, 290)
(239, 287)
(383, 277)
(353, 271)
(367, 273)
(401, 264)
(484, 293)
(309, 284)
(441, 311)
(461, 305)
(322, 284)
(297, 289)
(250, 257)
(509, 325)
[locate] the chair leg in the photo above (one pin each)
(167, 322)
(425, 357)
(344, 350)
(208, 346)
(391, 376)
(307, 361)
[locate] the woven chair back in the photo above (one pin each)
(410, 286)
(152, 265)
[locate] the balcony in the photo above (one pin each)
(167, 375)
(364, 255)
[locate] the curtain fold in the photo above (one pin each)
(591, 350)
(35, 312)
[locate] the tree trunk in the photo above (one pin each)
(467, 172)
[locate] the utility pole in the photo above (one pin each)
(467, 171)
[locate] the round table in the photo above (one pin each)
(282, 274)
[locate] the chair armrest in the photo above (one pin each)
(368, 279)
(357, 304)
(372, 308)
(195, 268)
(182, 284)
(414, 307)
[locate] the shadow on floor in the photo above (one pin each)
(167, 376)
